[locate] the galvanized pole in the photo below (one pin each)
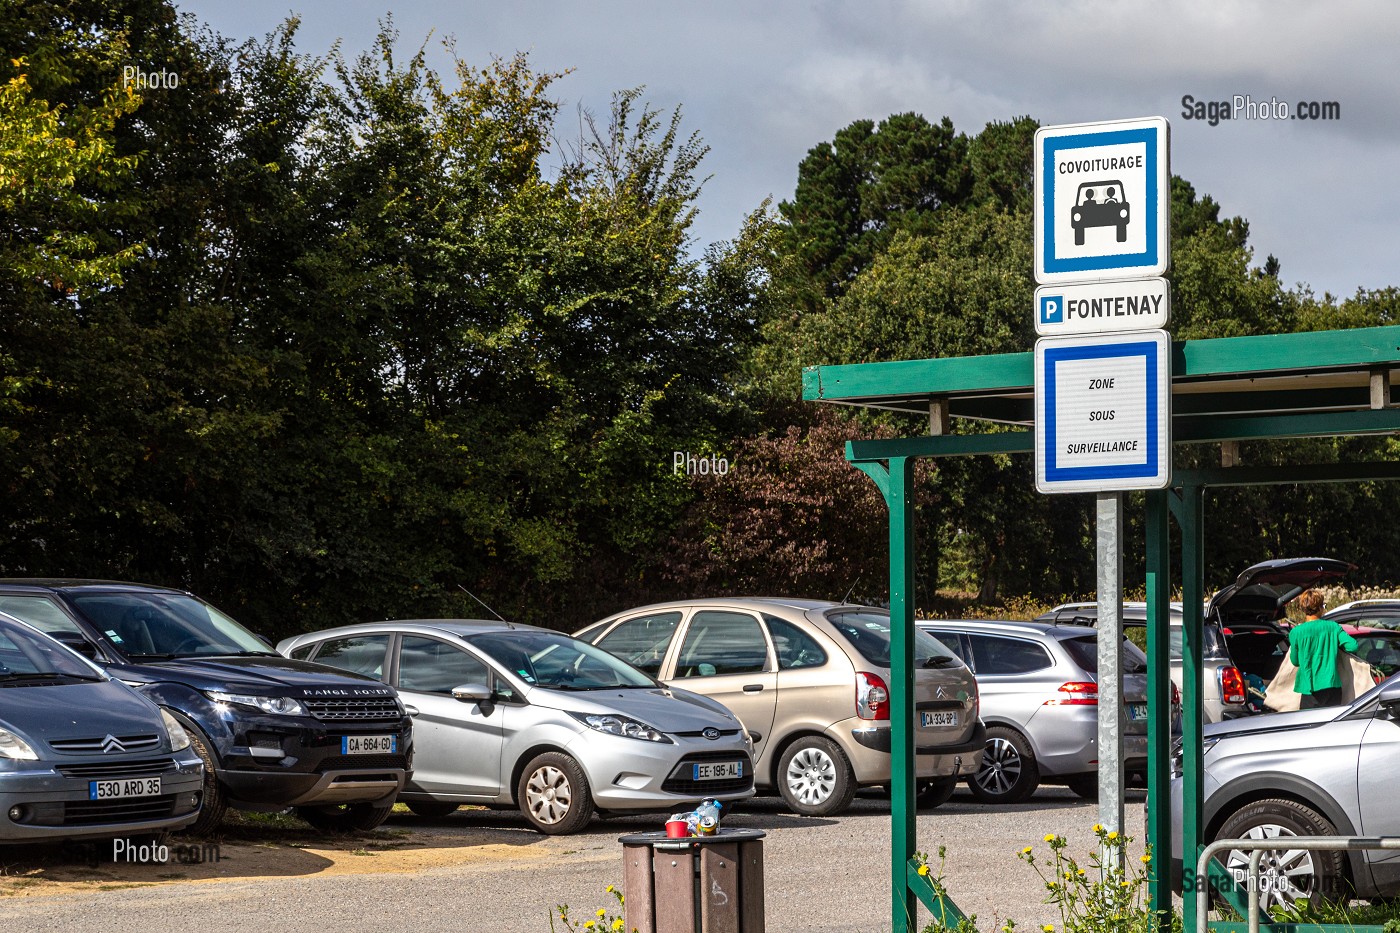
(1110, 641)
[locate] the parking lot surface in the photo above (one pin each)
(483, 870)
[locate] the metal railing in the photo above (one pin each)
(1256, 849)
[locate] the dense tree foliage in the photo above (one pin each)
(326, 339)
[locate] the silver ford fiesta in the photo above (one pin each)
(514, 715)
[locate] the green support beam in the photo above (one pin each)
(1159, 681)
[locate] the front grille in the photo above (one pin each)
(96, 812)
(680, 780)
(342, 710)
(700, 733)
(104, 770)
(105, 744)
(362, 763)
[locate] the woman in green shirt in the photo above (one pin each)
(1313, 647)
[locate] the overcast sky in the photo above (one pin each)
(763, 82)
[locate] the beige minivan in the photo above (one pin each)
(810, 681)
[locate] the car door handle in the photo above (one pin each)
(753, 688)
(410, 710)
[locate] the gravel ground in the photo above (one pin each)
(822, 875)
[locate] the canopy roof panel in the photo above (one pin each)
(1322, 382)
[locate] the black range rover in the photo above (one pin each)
(273, 732)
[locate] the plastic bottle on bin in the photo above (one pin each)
(707, 817)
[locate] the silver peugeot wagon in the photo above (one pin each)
(514, 715)
(810, 680)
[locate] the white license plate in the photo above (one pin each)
(369, 744)
(1137, 711)
(128, 787)
(941, 718)
(719, 769)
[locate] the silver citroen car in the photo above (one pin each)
(517, 716)
(810, 680)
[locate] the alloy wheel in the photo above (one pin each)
(1001, 767)
(1284, 876)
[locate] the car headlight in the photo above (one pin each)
(179, 738)
(12, 746)
(283, 706)
(625, 726)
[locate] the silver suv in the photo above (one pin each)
(1319, 772)
(1039, 687)
(809, 679)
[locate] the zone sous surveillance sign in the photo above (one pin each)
(1102, 201)
(1103, 412)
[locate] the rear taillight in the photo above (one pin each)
(1232, 689)
(1077, 693)
(872, 696)
(1176, 695)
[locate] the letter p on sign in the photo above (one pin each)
(1052, 309)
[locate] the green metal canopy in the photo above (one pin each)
(1326, 383)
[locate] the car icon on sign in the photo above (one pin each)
(1100, 204)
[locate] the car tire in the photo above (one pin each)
(345, 817)
(1318, 874)
(936, 792)
(553, 794)
(1009, 773)
(1084, 785)
(215, 803)
(433, 809)
(815, 777)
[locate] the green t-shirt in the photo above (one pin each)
(1313, 648)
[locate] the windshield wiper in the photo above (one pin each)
(151, 657)
(48, 675)
(939, 660)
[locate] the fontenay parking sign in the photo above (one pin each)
(1102, 201)
(1102, 307)
(1103, 412)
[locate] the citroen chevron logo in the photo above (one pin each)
(941, 694)
(111, 744)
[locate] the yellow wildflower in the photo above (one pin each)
(617, 924)
(1081, 873)
(1026, 850)
(1049, 837)
(923, 869)
(1098, 827)
(601, 912)
(1048, 928)
(610, 889)
(588, 924)
(1145, 859)
(1112, 836)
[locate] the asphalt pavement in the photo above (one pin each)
(821, 875)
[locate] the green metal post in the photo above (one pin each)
(1192, 623)
(896, 483)
(903, 830)
(1159, 673)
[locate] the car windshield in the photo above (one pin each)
(27, 657)
(1084, 649)
(869, 633)
(166, 625)
(554, 660)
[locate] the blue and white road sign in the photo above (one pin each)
(1102, 307)
(1102, 201)
(1103, 412)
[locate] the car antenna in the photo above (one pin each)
(486, 607)
(845, 598)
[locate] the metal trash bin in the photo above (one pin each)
(701, 884)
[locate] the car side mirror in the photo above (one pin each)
(77, 643)
(472, 693)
